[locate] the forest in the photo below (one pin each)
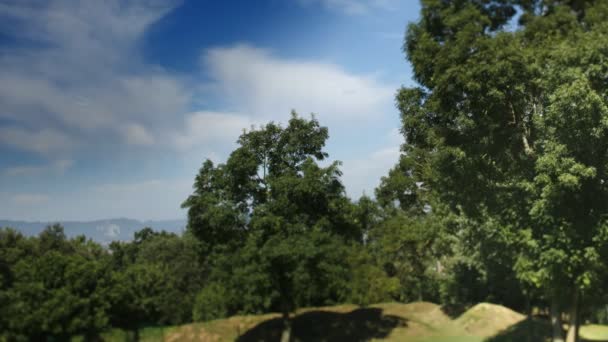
(499, 196)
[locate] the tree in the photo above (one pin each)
(156, 278)
(408, 240)
(54, 288)
(273, 220)
(512, 126)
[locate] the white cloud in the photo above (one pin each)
(83, 83)
(42, 141)
(110, 231)
(352, 6)
(86, 83)
(209, 127)
(62, 165)
(56, 167)
(254, 81)
(258, 87)
(136, 134)
(29, 200)
(83, 77)
(363, 174)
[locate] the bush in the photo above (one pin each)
(211, 303)
(369, 283)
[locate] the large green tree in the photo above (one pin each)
(273, 221)
(510, 125)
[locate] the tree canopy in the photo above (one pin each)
(284, 216)
(508, 126)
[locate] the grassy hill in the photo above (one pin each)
(415, 322)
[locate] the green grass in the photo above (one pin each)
(450, 339)
(414, 322)
(147, 334)
(594, 332)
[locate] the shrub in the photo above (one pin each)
(211, 303)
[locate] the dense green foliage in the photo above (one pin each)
(274, 223)
(509, 128)
(53, 288)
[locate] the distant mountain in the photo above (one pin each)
(102, 231)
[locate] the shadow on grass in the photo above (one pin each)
(528, 330)
(357, 325)
(453, 310)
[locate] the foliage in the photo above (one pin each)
(273, 221)
(52, 287)
(212, 302)
(156, 279)
(368, 282)
(508, 127)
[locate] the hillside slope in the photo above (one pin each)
(416, 322)
(485, 319)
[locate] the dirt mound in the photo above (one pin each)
(422, 307)
(424, 320)
(420, 311)
(487, 319)
(419, 321)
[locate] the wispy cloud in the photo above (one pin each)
(137, 134)
(41, 140)
(254, 81)
(257, 86)
(210, 127)
(81, 76)
(362, 175)
(79, 81)
(29, 200)
(56, 167)
(352, 6)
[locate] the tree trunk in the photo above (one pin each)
(286, 303)
(556, 320)
(286, 335)
(573, 319)
(529, 317)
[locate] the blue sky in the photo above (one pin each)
(108, 108)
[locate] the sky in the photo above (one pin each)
(108, 108)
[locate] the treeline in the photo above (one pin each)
(270, 230)
(55, 288)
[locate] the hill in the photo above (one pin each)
(416, 322)
(485, 319)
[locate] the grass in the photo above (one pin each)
(414, 322)
(594, 332)
(486, 319)
(149, 334)
(450, 339)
